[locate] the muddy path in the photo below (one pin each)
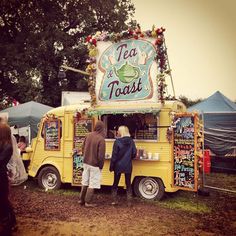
(182, 213)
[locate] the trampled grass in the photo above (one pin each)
(186, 204)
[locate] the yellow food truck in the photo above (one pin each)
(127, 87)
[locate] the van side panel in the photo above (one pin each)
(150, 168)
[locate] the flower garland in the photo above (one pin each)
(49, 117)
(80, 113)
(161, 58)
(173, 125)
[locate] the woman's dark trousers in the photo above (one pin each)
(127, 183)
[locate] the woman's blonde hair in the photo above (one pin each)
(124, 131)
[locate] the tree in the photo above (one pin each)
(188, 102)
(36, 36)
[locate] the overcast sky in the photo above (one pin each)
(201, 40)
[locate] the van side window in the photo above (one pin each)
(141, 126)
(43, 130)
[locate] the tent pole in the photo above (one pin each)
(168, 63)
(203, 148)
(221, 189)
(29, 131)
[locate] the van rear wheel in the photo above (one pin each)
(49, 178)
(149, 188)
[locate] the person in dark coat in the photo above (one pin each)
(7, 216)
(94, 155)
(124, 150)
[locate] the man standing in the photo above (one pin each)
(94, 154)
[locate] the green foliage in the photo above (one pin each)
(188, 102)
(36, 36)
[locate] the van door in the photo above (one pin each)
(187, 138)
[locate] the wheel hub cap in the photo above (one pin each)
(148, 188)
(49, 180)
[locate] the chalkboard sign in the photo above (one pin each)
(52, 135)
(78, 143)
(184, 146)
(81, 128)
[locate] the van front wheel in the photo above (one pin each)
(149, 188)
(49, 178)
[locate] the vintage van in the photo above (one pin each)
(55, 156)
(128, 78)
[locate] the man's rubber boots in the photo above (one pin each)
(82, 195)
(114, 197)
(89, 197)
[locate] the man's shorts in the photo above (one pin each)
(91, 176)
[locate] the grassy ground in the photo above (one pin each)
(221, 180)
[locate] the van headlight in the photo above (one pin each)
(29, 149)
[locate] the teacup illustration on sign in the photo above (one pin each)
(127, 73)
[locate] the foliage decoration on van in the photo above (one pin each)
(128, 73)
(173, 125)
(49, 116)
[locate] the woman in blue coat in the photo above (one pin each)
(124, 151)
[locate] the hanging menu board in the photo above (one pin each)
(52, 135)
(81, 128)
(185, 165)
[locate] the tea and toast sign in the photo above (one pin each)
(130, 66)
(126, 70)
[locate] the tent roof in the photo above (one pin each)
(26, 114)
(31, 108)
(215, 103)
(219, 123)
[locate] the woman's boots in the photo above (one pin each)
(114, 197)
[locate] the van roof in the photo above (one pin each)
(137, 108)
(174, 105)
(59, 111)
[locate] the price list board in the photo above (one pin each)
(52, 135)
(81, 128)
(184, 145)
